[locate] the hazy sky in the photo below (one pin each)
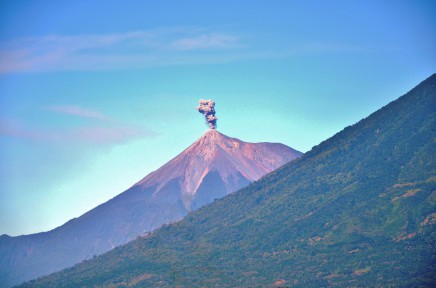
(94, 96)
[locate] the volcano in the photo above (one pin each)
(358, 210)
(213, 166)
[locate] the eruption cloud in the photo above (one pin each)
(207, 108)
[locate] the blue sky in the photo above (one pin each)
(94, 96)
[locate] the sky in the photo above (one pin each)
(94, 95)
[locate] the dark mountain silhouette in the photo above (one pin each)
(214, 166)
(358, 210)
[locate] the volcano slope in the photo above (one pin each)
(357, 210)
(213, 166)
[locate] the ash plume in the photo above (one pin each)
(207, 108)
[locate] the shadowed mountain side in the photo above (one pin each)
(358, 210)
(214, 166)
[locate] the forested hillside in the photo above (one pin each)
(359, 209)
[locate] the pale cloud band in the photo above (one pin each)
(137, 49)
(106, 131)
(97, 135)
(79, 111)
(147, 48)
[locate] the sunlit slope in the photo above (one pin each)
(214, 166)
(357, 210)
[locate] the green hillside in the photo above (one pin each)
(357, 210)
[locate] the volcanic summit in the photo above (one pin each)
(216, 165)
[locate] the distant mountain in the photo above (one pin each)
(358, 210)
(214, 166)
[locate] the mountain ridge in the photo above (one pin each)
(212, 167)
(359, 209)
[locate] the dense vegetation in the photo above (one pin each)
(357, 210)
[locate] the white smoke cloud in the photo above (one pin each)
(207, 108)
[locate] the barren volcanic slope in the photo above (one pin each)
(214, 166)
(358, 210)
